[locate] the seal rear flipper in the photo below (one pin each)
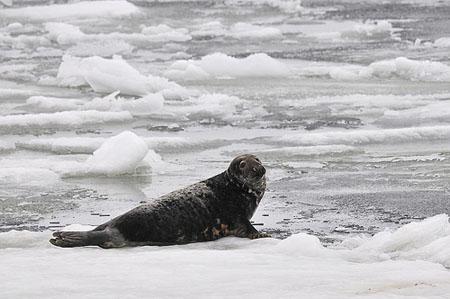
(81, 238)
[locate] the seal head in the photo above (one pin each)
(247, 171)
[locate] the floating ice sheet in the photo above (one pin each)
(83, 9)
(219, 65)
(407, 262)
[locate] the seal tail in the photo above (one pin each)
(79, 238)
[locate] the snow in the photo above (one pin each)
(83, 9)
(65, 118)
(109, 75)
(406, 262)
(220, 65)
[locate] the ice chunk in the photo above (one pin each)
(109, 75)
(51, 104)
(63, 145)
(149, 104)
(221, 65)
(164, 33)
(400, 67)
(63, 33)
(118, 155)
(371, 30)
(443, 42)
(66, 118)
(83, 9)
(421, 70)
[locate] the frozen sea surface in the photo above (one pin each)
(104, 104)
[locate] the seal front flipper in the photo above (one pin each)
(101, 238)
(244, 229)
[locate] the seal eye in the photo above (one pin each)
(242, 164)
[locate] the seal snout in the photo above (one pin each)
(259, 170)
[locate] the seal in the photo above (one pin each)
(205, 211)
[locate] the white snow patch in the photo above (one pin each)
(83, 9)
(220, 65)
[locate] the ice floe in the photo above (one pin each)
(408, 262)
(219, 65)
(288, 6)
(299, 151)
(164, 33)
(245, 31)
(438, 112)
(122, 154)
(109, 75)
(28, 176)
(83, 9)
(400, 67)
(64, 119)
(63, 145)
(149, 104)
(347, 31)
(356, 137)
